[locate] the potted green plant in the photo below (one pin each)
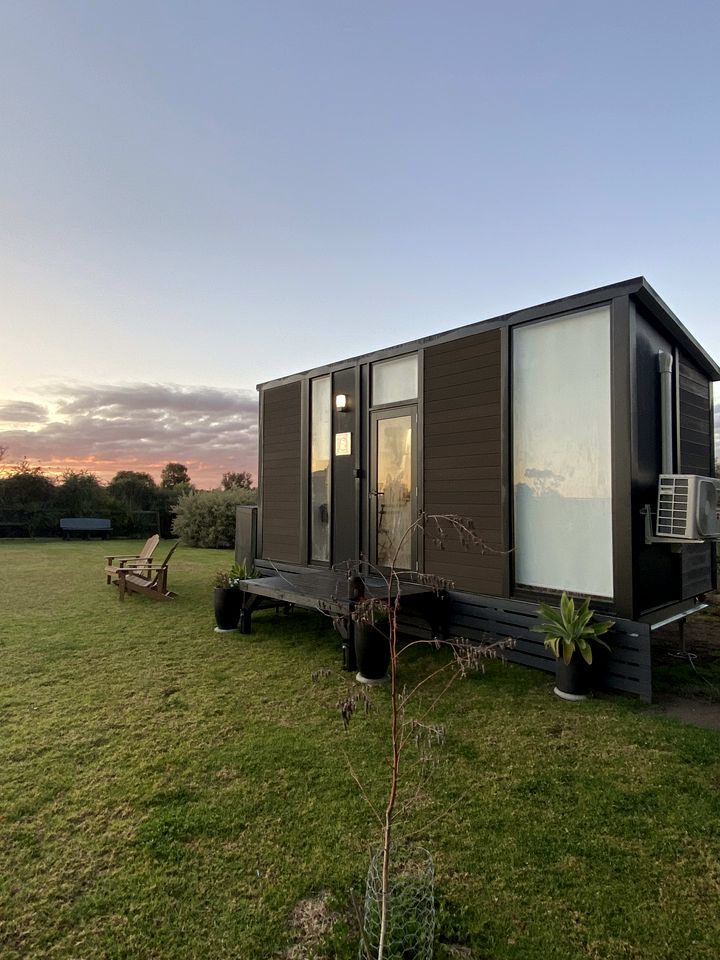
(229, 597)
(570, 635)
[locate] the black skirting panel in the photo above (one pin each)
(627, 668)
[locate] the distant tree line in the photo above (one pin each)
(32, 504)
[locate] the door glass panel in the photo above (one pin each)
(394, 490)
(320, 470)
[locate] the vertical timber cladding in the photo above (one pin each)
(462, 457)
(281, 473)
(695, 447)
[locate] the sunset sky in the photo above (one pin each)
(195, 197)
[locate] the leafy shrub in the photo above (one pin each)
(82, 495)
(43, 521)
(27, 488)
(232, 578)
(207, 518)
(134, 490)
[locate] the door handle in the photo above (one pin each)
(377, 493)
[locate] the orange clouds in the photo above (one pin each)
(142, 426)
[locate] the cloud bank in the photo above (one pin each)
(140, 426)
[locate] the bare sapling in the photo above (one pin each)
(467, 656)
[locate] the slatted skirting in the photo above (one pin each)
(627, 667)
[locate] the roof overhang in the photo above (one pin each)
(636, 288)
(670, 324)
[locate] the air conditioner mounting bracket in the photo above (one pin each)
(650, 537)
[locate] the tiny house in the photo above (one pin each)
(549, 428)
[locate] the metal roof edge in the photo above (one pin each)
(637, 287)
(653, 302)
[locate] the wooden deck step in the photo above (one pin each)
(334, 593)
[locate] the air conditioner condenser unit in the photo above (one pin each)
(688, 507)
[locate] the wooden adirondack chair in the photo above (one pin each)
(113, 564)
(149, 579)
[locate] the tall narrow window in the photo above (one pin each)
(562, 454)
(320, 445)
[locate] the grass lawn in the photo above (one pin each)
(169, 792)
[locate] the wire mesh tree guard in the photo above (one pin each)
(411, 906)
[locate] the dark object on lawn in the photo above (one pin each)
(150, 579)
(228, 607)
(372, 652)
(573, 681)
(85, 526)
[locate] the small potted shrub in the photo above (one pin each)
(229, 596)
(570, 635)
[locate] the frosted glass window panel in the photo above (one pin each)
(320, 446)
(562, 454)
(394, 381)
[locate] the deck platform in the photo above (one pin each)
(337, 595)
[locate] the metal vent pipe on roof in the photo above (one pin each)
(665, 363)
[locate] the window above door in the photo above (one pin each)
(395, 381)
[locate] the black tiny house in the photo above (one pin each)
(548, 426)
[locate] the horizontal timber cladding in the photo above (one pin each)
(462, 457)
(281, 469)
(696, 421)
(482, 618)
(696, 449)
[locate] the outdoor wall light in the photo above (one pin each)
(342, 402)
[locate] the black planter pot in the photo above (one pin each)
(573, 680)
(372, 652)
(228, 607)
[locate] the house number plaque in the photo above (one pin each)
(343, 444)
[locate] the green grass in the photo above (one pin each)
(697, 678)
(169, 792)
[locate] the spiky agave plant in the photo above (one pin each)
(570, 629)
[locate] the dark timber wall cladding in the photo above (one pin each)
(696, 456)
(462, 456)
(281, 465)
(696, 425)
